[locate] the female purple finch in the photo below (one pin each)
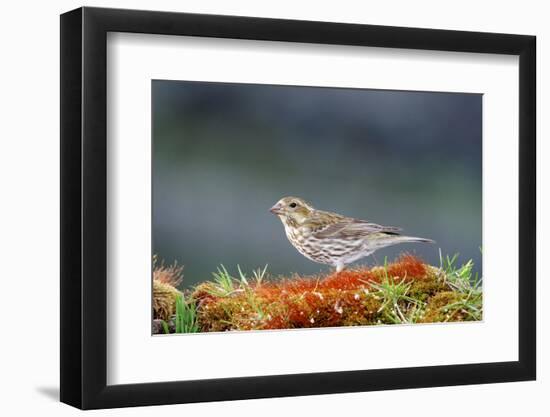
(332, 239)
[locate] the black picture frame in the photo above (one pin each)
(84, 207)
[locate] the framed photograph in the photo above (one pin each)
(257, 208)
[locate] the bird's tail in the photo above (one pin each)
(404, 239)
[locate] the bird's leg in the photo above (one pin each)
(340, 266)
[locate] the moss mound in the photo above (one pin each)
(164, 300)
(402, 292)
(165, 281)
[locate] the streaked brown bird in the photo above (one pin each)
(332, 239)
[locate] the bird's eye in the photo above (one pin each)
(292, 205)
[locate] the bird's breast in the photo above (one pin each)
(293, 235)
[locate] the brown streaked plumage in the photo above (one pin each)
(331, 238)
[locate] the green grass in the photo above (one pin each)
(396, 303)
(397, 306)
(224, 283)
(186, 316)
(259, 275)
(471, 306)
(462, 280)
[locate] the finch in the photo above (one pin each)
(332, 239)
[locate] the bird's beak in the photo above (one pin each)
(276, 209)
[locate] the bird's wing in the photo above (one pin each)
(353, 228)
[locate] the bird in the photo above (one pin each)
(332, 239)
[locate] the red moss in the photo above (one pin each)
(348, 279)
(339, 299)
(408, 267)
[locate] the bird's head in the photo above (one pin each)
(292, 210)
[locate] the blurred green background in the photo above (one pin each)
(224, 153)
